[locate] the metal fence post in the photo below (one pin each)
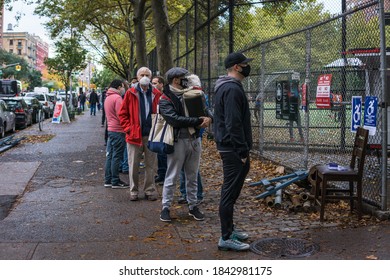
(385, 98)
(307, 82)
(262, 99)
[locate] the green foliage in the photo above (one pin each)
(104, 77)
(26, 74)
(70, 57)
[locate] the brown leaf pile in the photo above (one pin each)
(37, 138)
(212, 174)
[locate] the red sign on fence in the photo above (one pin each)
(323, 91)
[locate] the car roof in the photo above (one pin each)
(12, 98)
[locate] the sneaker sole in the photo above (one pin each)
(231, 249)
(120, 187)
(198, 219)
(164, 220)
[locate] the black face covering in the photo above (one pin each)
(246, 70)
(184, 83)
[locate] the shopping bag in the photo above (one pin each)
(161, 136)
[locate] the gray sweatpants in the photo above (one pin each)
(186, 155)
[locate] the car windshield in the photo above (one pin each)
(40, 97)
(12, 104)
(28, 100)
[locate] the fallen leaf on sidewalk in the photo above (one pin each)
(371, 257)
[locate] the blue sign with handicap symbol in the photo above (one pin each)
(356, 118)
(370, 114)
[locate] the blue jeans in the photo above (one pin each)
(199, 194)
(162, 165)
(93, 109)
(114, 153)
(124, 162)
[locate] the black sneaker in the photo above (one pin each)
(195, 212)
(159, 180)
(164, 215)
(120, 185)
(182, 200)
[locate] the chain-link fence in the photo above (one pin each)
(340, 41)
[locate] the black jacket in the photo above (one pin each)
(93, 98)
(171, 108)
(232, 122)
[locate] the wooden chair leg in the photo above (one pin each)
(351, 196)
(359, 193)
(323, 198)
(317, 189)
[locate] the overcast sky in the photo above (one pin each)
(28, 23)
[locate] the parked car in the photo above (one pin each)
(52, 98)
(23, 114)
(48, 106)
(35, 105)
(61, 96)
(7, 119)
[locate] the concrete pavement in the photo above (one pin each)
(62, 211)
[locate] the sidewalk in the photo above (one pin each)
(62, 211)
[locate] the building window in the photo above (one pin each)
(11, 42)
(19, 52)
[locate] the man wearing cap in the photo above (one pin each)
(233, 136)
(187, 147)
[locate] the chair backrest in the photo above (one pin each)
(359, 149)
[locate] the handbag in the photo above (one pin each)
(161, 136)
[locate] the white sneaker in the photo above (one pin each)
(232, 244)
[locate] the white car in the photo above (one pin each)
(44, 99)
(7, 119)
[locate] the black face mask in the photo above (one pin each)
(246, 70)
(184, 83)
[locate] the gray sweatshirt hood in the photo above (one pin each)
(226, 79)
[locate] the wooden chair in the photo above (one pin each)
(350, 174)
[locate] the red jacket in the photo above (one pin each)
(129, 114)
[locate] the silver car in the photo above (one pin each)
(48, 106)
(7, 119)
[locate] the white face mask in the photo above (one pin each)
(122, 91)
(144, 81)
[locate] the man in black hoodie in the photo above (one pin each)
(233, 136)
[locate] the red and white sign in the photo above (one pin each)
(323, 91)
(57, 110)
(60, 113)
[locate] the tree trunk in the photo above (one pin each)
(140, 33)
(163, 35)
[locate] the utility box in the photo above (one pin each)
(287, 96)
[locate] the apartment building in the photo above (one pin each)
(30, 47)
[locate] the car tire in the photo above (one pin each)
(2, 130)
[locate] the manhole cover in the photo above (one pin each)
(284, 247)
(59, 183)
